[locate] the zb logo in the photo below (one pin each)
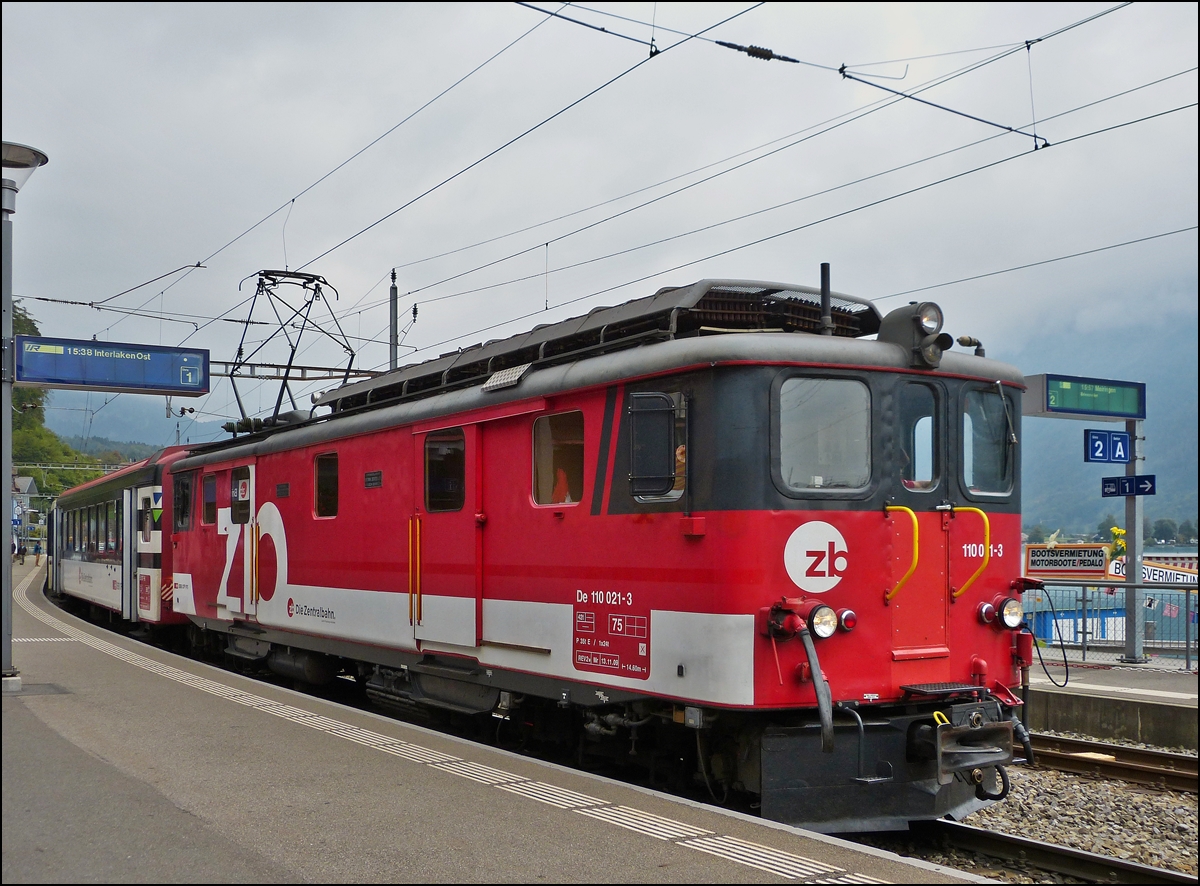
(815, 557)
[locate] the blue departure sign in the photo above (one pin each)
(111, 366)
(1139, 484)
(1106, 446)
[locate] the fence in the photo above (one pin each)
(1089, 621)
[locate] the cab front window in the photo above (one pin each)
(988, 442)
(824, 434)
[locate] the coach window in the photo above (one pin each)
(239, 494)
(326, 468)
(988, 442)
(92, 524)
(918, 437)
(824, 434)
(208, 515)
(147, 520)
(183, 502)
(114, 526)
(558, 459)
(445, 470)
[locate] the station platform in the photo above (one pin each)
(124, 763)
(1115, 703)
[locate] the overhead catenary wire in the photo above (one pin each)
(778, 234)
(1035, 264)
(868, 109)
(517, 138)
(744, 216)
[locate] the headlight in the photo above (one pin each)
(987, 613)
(1011, 613)
(929, 318)
(823, 621)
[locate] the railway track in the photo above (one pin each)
(1167, 771)
(1087, 866)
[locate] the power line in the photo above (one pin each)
(745, 215)
(1036, 263)
(517, 138)
(793, 230)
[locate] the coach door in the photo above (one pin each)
(445, 540)
(921, 517)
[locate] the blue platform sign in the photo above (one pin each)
(111, 366)
(1106, 446)
(1139, 484)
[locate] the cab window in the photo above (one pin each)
(824, 434)
(558, 458)
(988, 442)
(918, 437)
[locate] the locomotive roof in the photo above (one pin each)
(592, 370)
(703, 308)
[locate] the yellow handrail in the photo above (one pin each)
(916, 552)
(987, 549)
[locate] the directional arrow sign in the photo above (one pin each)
(1141, 484)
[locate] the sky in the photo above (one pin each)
(571, 169)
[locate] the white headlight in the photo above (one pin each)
(1012, 612)
(823, 621)
(929, 318)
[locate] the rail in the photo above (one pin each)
(1087, 866)
(1161, 769)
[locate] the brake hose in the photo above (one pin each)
(824, 699)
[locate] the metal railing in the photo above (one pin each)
(1090, 620)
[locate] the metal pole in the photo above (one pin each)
(1187, 629)
(12, 679)
(826, 301)
(1135, 614)
(1083, 631)
(394, 338)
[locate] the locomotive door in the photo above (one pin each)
(237, 595)
(921, 607)
(445, 537)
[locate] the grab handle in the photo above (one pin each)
(987, 549)
(916, 551)
(414, 567)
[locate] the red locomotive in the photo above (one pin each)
(718, 528)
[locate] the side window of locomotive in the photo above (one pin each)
(558, 459)
(208, 514)
(824, 434)
(658, 435)
(988, 450)
(918, 437)
(445, 470)
(239, 493)
(183, 502)
(147, 520)
(326, 468)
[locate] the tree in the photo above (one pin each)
(1147, 530)
(1186, 532)
(1104, 530)
(1165, 530)
(1037, 534)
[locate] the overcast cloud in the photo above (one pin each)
(172, 129)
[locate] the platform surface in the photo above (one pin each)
(123, 763)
